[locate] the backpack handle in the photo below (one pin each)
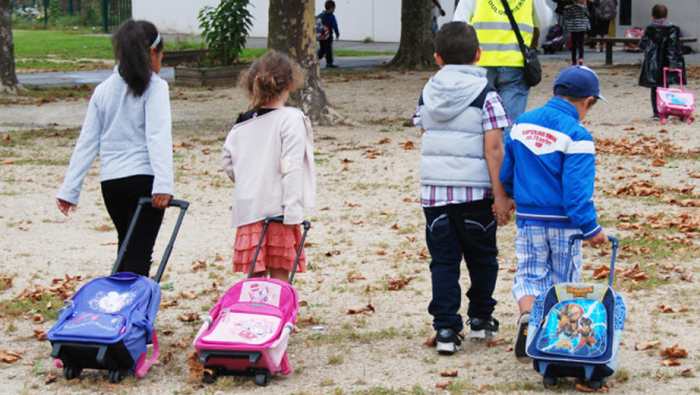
(615, 243)
(680, 76)
(280, 219)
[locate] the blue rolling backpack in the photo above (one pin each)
(109, 321)
(575, 329)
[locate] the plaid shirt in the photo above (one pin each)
(494, 117)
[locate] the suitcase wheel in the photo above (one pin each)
(550, 381)
(71, 372)
(595, 384)
(209, 377)
(115, 376)
(262, 379)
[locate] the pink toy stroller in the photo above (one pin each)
(248, 329)
(674, 101)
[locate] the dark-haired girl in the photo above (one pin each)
(269, 155)
(128, 124)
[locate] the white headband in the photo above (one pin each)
(156, 42)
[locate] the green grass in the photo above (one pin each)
(61, 45)
(15, 308)
(81, 49)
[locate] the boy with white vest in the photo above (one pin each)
(461, 118)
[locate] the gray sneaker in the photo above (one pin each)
(448, 341)
(483, 328)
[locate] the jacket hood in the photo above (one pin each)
(452, 89)
(657, 32)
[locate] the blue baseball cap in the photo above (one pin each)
(578, 81)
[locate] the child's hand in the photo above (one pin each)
(598, 240)
(160, 200)
(503, 208)
(64, 206)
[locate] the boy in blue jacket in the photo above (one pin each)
(549, 169)
(327, 19)
(461, 118)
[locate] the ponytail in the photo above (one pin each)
(132, 49)
(269, 76)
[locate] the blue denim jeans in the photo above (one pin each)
(454, 231)
(511, 86)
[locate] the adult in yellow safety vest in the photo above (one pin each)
(501, 55)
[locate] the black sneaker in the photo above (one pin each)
(483, 328)
(521, 340)
(448, 341)
(332, 66)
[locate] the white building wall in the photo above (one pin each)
(378, 20)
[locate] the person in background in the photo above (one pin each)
(501, 55)
(128, 124)
(662, 48)
(326, 45)
(437, 12)
(577, 24)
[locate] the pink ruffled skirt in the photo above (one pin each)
(278, 250)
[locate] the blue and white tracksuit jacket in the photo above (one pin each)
(549, 169)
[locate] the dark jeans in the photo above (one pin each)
(454, 231)
(653, 102)
(577, 39)
(326, 49)
(121, 197)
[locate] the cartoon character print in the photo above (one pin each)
(569, 317)
(256, 330)
(111, 302)
(586, 333)
(259, 294)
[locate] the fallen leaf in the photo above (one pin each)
(584, 388)
(38, 318)
(387, 212)
(367, 309)
(8, 161)
(443, 385)
(601, 272)
(196, 368)
(431, 340)
(380, 252)
(10, 356)
(331, 253)
(646, 345)
(397, 283)
(196, 265)
(449, 373)
(165, 304)
(356, 277)
(188, 295)
(167, 358)
(385, 140)
(494, 341)
(673, 352)
(189, 317)
(50, 379)
(218, 258)
(670, 362)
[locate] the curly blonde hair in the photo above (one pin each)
(269, 76)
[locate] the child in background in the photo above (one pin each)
(549, 168)
(128, 125)
(269, 156)
(327, 18)
(577, 24)
(662, 48)
(461, 118)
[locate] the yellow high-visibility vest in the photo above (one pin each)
(496, 36)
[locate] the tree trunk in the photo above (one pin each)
(8, 77)
(416, 47)
(291, 30)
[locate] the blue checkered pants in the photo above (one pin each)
(543, 259)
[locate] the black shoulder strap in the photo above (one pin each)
(514, 26)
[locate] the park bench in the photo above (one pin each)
(611, 41)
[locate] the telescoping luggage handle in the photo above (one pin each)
(280, 219)
(615, 243)
(168, 249)
(680, 76)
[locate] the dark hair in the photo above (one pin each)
(456, 43)
(132, 48)
(269, 76)
(329, 4)
(659, 11)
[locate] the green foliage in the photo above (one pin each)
(225, 29)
